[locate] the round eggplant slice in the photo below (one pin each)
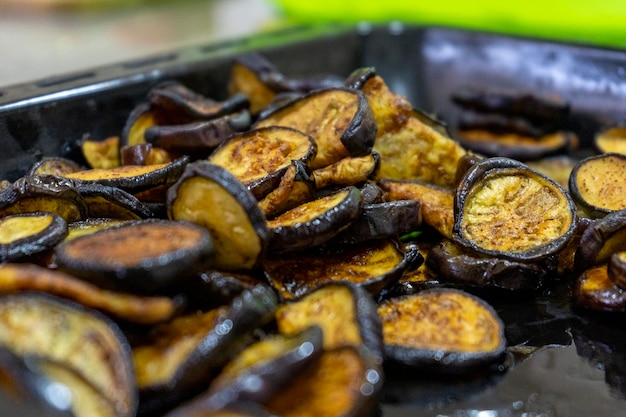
(91, 350)
(505, 209)
(260, 157)
(441, 329)
(601, 239)
(143, 256)
(598, 183)
(24, 235)
(209, 195)
(611, 140)
(595, 290)
(316, 222)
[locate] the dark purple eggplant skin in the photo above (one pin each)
(357, 78)
(609, 232)
(22, 248)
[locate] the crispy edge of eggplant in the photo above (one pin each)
(20, 240)
(296, 187)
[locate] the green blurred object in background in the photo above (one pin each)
(601, 22)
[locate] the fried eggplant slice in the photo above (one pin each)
(347, 171)
(145, 115)
(436, 203)
(314, 223)
(105, 201)
(499, 123)
(601, 239)
(616, 269)
(216, 288)
(133, 178)
(503, 208)
(23, 235)
(595, 290)
(209, 195)
(454, 264)
(21, 277)
(441, 329)
(342, 382)
(90, 225)
(338, 119)
(296, 187)
(83, 341)
(43, 193)
(260, 157)
(101, 154)
(372, 265)
(558, 167)
(144, 154)
(181, 357)
(598, 182)
(143, 256)
(54, 165)
(345, 312)
(611, 139)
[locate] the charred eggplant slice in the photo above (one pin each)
(101, 154)
(441, 329)
(503, 208)
(260, 157)
(82, 341)
(209, 195)
(316, 222)
(145, 256)
(595, 290)
(339, 120)
(22, 235)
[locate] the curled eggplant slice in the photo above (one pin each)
(144, 256)
(105, 201)
(316, 222)
(260, 157)
(54, 165)
(296, 187)
(503, 208)
(442, 329)
(373, 266)
(23, 235)
(145, 154)
(595, 290)
(209, 195)
(601, 239)
(101, 154)
(87, 351)
(338, 119)
(347, 171)
(611, 139)
(598, 182)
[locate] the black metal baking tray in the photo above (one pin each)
(568, 363)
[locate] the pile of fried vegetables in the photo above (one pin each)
(275, 253)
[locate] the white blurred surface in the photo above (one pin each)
(37, 43)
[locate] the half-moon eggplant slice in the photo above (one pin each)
(86, 343)
(23, 235)
(209, 195)
(503, 208)
(144, 256)
(441, 329)
(595, 290)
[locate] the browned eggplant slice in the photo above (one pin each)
(616, 269)
(442, 329)
(601, 239)
(316, 222)
(260, 157)
(558, 167)
(90, 225)
(43, 193)
(20, 277)
(296, 187)
(101, 154)
(209, 195)
(342, 382)
(348, 171)
(86, 343)
(595, 290)
(144, 256)
(503, 208)
(104, 201)
(454, 264)
(339, 120)
(373, 266)
(598, 182)
(54, 165)
(611, 139)
(144, 154)
(23, 235)
(145, 115)
(345, 312)
(182, 357)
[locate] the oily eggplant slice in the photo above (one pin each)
(296, 187)
(181, 357)
(258, 372)
(260, 157)
(54, 165)
(595, 290)
(345, 312)
(101, 154)
(105, 201)
(209, 195)
(133, 178)
(441, 329)
(314, 223)
(601, 239)
(372, 265)
(598, 182)
(338, 119)
(611, 139)
(81, 340)
(616, 269)
(436, 203)
(344, 381)
(503, 208)
(347, 171)
(454, 264)
(43, 193)
(20, 277)
(143, 256)
(23, 235)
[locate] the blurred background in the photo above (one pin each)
(42, 38)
